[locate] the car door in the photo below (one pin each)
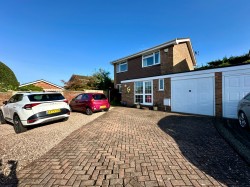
(75, 103)
(85, 101)
(247, 106)
(8, 108)
(16, 105)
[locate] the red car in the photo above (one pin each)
(89, 103)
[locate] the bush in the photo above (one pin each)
(30, 88)
(8, 80)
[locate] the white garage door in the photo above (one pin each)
(193, 95)
(235, 86)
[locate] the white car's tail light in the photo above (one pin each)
(29, 106)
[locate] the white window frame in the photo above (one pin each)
(144, 94)
(119, 87)
(159, 85)
(118, 67)
(151, 55)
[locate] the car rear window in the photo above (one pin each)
(99, 97)
(46, 97)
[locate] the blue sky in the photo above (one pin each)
(53, 39)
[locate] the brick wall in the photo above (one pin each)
(167, 61)
(45, 85)
(181, 58)
(218, 94)
(4, 96)
(128, 93)
(135, 70)
(160, 95)
(69, 95)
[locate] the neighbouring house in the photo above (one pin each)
(79, 82)
(45, 85)
(164, 76)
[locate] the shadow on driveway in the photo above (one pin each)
(201, 144)
(8, 173)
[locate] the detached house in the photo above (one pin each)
(164, 75)
(170, 57)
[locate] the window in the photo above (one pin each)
(99, 97)
(161, 84)
(248, 97)
(16, 98)
(119, 87)
(151, 59)
(45, 97)
(122, 67)
(143, 92)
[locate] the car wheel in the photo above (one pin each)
(18, 126)
(2, 120)
(66, 119)
(89, 111)
(106, 110)
(243, 120)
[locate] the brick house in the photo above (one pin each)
(170, 57)
(45, 85)
(164, 76)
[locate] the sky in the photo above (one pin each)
(53, 39)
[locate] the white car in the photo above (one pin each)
(32, 108)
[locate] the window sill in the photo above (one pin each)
(151, 65)
(121, 72)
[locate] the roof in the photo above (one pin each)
(41, 80)
(81, 77)
(166, 44)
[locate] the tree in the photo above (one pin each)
(102, 81)
(8, 80)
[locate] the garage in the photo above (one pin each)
(193, 94)
(236, 84)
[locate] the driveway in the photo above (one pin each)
(133, 147)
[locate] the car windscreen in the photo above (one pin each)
(99, 97)
(45, 97)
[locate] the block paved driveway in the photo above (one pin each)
(133, 147)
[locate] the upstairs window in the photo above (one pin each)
(151, 59)
(122, 67)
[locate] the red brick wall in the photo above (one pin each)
(45, 85)
(135, 70)
(4, 96)
(160, 95)
(182, 60)
(128, 93)
(218, 94)
(69, 95)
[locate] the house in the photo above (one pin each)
(80, 82)
(164, 75)
(170, 57)
(45, 85)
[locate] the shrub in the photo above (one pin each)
(8, 80)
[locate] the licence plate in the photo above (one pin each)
(102, 106)
(53, 111)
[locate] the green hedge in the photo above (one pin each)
(233, 60)
(8, 80)
(30, 88)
